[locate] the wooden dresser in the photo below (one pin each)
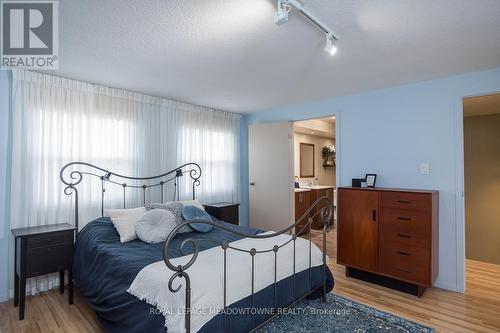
(389, 236)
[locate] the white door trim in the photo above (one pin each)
(335, 114)
(460, 187)
(459, 195)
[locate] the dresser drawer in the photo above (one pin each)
(405, 262)
(48, 259)
(406, 201)
(51, 239)
(407, 227)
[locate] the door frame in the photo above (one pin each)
(337, 140)
(460, 186)
(337, 151)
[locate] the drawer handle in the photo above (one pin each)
(403, 253)
(404, 201)
(404, 236)
(403, 270)
(404, 218)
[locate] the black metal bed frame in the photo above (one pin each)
(72, 178)
(322, 208)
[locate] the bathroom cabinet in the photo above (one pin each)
(304, 198)
(302, 204)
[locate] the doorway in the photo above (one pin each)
(314, 166)
(481, 125)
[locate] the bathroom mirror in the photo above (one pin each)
(306, 160)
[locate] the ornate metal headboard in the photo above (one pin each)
(72, 174)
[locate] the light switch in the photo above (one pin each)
(424, 168)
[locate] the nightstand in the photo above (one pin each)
(42, 250)
(224, 211)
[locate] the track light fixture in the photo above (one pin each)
(330, 45)
(283, 8)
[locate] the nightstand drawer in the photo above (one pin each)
(50, 240)
(48, 259)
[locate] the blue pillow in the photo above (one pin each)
(192, 212)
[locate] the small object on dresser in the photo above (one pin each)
(224, 211)
(356, 182)
(370, 179)
(42, 250)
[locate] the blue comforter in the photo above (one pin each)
(104, 268)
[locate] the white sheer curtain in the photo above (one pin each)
(57, 121)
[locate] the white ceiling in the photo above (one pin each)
(229, 54)
(323, 127)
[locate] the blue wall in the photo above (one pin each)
(5, 144)
(391, 132)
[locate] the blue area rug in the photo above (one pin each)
(339, 314)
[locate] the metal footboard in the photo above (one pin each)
(323, 207)
(74, 173)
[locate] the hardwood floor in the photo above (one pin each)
(50, 312)
(478, 310)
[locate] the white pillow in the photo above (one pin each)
(155, 225)
(124, 221)
(175, 207)
(195, 203)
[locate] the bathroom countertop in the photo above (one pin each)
(302, 190)
(317, 187)
(313, 187)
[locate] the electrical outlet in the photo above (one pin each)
(424, 168)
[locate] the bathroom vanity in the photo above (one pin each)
(304, 198)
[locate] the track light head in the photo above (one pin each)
(331, 46)
(282, 10)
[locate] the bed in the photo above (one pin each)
(104, 268)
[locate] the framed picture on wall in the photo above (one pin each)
(370, 179)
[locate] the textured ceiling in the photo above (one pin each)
(324, 127)
(482, 105)
(229, 54)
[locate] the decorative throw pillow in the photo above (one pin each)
(155, 226)
(124, 221)
(195, 213)
(195, 203)
(175, 207)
